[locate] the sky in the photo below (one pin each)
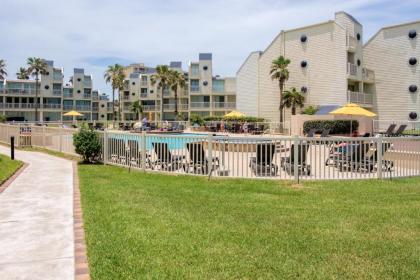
(92, 34)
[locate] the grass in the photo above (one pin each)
(51, 152)
(8, 167)
(153, 226)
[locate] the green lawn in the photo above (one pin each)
(8, 167)
(151, 226)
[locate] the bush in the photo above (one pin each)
(87, 144)
(244, 119)
(196, 119)
(311, 110)
(213, 118)
(2, 118)
(335, 126)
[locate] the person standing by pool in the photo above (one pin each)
(222, 126)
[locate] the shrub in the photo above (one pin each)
(2, 118)
(87, 144)
(244, 119)
(335, 126)
(311, 110)
(196, 119)
(213, 118)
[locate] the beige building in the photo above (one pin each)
(55, 97)
(394, 54)
(326, 66)
(204, 94)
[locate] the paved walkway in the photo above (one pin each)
(36, 220)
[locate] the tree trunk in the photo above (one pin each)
(113, 106)
(119, 106)
(176, 103)
(293, 110)
(161, 104)
(281, 85)
(36, 96)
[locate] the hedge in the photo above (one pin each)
(335, 126)
(237, 119)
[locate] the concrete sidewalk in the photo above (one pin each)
(36, 220)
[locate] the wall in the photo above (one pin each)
(247, 86)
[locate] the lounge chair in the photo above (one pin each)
(262, 164)
(165, 159)
(352, 156)
(135, 156)
(370, 162)
(199, 163)
(390, 130)
(311, 132)
(399, 131)
(288, 163)
(325, 133)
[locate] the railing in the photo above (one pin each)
(95, 108)
(83, 107)
(51, 106)
(21, 91)
(368, 75)
(359, 98)
(351, 69)
(287, 158)
(195, 89)
(148, 108)
(351, 43)
(87, 96)
(56, 139)
(67, 95)
(224, 105)
(143, 83)
(126, 97)
(57, 92)
(68, 107)
(200, 104)
(29, 106)
(143, 95)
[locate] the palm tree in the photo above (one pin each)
(162, 78)
(177, 81)
(120, 83)
(113, 75)
(3, 72)
(22, 74)
(137, 109)
(280, 72)
(36, 66)
(292, 99)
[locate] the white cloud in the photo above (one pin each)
(79, 32)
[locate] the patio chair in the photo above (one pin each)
(262, 164)
(370, 162)
(325, 133)
(352, 156)
(135, 156)
(259, 129)
(399, 131)
(288, 163)
(311, 132)
(165, 159)
(390, 130)
(199, 163)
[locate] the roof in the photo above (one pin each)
(79, 71)
(247, 58)
(349, 15)
(326, 109)
(175, 64)
(388, 27)
(205, 56)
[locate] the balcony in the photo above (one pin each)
(352, 69)
(195, 89)
(224, 105)
(68, 107)
(143, 95)
(29, 106)
(95, 109)
(143, 83)
(87, 96)
(361, 98)
(20, 91)
(198, 105)
(51, 106)
(149, 108)
(368, 75)
(57, 92)
(351, 43)
(83, 108)
(126, 97)
(68, 95)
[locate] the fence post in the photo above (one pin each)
(105, 147)
(295, 158)
(143, 150)
(379, 146)
(43, 137)
(60, 135)
(210, 154)
(12, 148)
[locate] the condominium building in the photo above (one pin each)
(394, 54)
(204, 94)
(326, 66)
(55, 97)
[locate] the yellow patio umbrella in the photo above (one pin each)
(234, 114)
(73, 114)
(351, 110)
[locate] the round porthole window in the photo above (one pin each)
(102, 116)
(303, 63)
(358, 36)
(412, 61)
(102, 106)
(133, 83)
(47, 73)
(78, 91)
(413, 116)
(412, 88)
(78, 79)
(412, 34)
(205, 83)
(304, 89)
(47, 87)
(359, 62)
(151, 91)
(205, 67)
(303, 38)
(133, 93)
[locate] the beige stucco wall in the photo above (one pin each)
(247, 86)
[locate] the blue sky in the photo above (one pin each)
(91, 34)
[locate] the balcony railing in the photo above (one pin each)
(359, 98)
(95, 109)
(148, 108)
(57, 92)
(83, 107)
(29, 106)
(223, 105)
(126, 97)
(87, 96)
(351, 69)
(143, 83)
(68, 95)
(144, 95)
(200, 104)
(20, 91)
(172, 106)
(195, 88)
(51, 106)
(368, 75)
(68, 107)
(351, 43)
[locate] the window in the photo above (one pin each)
(195, 85)
(195, 70)
(218, 85)
(144, 90)
(412, 61)
(303, 38)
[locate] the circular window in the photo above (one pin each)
(303, 63)
(412, 34)
(78, 91)
(133, 93)
(359, 62)
(151, 91)
(205, 83)
(133, 83)
(102, 106)
(358, 36)
(412, 88)
(78, 79)
(304, 89)
(412, 116)
(205, 68)
(102, 116)
(47, 87)
(412, 61)
(303, 38)
(47, 73)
